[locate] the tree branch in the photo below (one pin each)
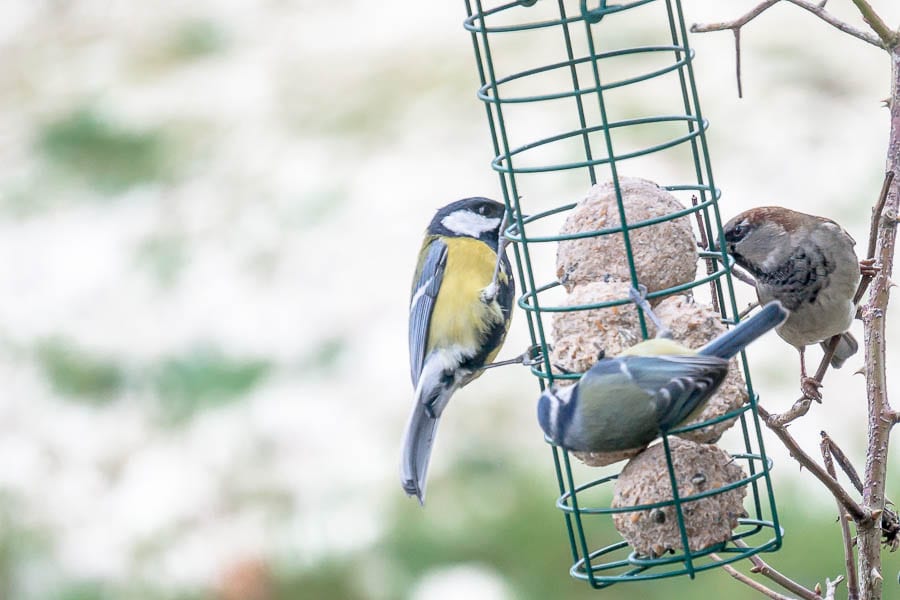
(823, 14)
(849, 557)
(843, 461)
(763, 568)
(837, 490)
(769, 593)
(831, 587)
(874, 315)
(889, 37)
(737, 23)
(816, 9)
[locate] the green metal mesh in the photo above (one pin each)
(559, 122)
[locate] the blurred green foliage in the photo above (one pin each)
(202, 378)
(107, 155)
(164, 256)
(75, 372)
(84, 590)
(197, 38)
(369, 110)
(324, 355)
(516, 532)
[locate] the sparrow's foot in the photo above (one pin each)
(810, 388)
(868, 267)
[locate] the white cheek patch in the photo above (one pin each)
(561, 398)
(465, 222)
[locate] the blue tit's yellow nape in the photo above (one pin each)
(462, 298)
(626, 402)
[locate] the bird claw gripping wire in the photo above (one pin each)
(532, 356)
(639, 297)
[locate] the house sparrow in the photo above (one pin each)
(809, 265)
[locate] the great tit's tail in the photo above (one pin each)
(846, 348)
(418, 439)
(733, 341)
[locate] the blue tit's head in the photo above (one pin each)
(556, 409)
(478, 218)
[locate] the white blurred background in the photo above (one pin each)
(209, 217)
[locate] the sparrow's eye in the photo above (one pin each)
(739, 231)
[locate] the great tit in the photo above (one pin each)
(626, 402)
(462, 298)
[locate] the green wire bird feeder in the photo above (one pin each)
(571, 100)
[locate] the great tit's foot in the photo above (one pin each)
(529, 358)
(868, 268)
(562, 369)
(489, 294)
(810, 388)
(534, 356)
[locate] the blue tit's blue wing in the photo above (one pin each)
(679, 383)
(426, 284)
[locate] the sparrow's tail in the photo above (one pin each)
(730, 343)
(846, 348)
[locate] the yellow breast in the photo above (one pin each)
(460, 317)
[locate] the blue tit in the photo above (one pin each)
(462, 298)
(627, 401)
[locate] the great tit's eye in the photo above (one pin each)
(481, 210)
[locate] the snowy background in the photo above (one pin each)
(209, 214)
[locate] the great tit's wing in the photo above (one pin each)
(508, 292)
(426, 284)
(679, 383)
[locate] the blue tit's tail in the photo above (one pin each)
(733, 341)
(418, 439)
(846, 348)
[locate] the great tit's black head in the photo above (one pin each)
(470, 217)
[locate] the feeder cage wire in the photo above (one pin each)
(524, 102)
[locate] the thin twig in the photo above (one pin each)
(737, 61)
(797, 410)
(769, 593)
(766, 570)
(823, 14)
(735, 27)
(877, 213)
(837, 490)
(889, 37)
(831, 587)
(744, 276)
(849, 557)
(748, 310)
(710, 267)
(816, 9)
(737, 23)
(843, 461)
